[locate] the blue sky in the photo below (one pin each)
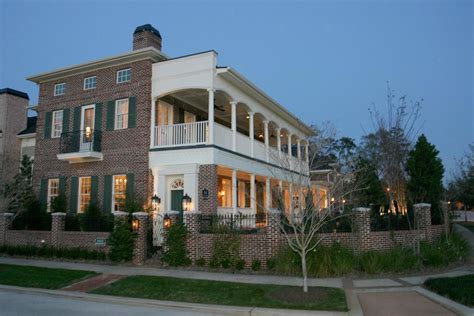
(323, 60)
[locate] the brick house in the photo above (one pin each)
(146, 125)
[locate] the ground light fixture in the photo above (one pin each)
(187, 202)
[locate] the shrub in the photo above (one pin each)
(256, 264)
(122, 241)
(72, 223)
(94, 221)
(271, 264)
(330, 261)
(201, 262)
(34, 217)
(214, 263)
(59, 204)
(50, 252)
(444, 251)
(225, 248)
(240, 264)
(176, 254)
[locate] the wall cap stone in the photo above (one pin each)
(58, 214)
(422, 205)
(119, 213)
(274, 211)
(191, 213)
(140, 214)
(7, 214)
(361, 209)
(171, 212)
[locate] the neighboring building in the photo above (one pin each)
(28, 138)
(13, 113)
(142, 124)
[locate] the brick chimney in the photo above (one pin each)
(146, 36)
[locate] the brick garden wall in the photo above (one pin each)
(27, 238)
(84, 240)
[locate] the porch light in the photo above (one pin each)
(187, 202)
(156, 201)
(167, 221)
(332, 199)
(88, 132)
(343, 201)
(135, 224)
(247, 117)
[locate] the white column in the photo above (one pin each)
(251, 133)
(253, 203)
(152, 124)
(298, 149)
(290, 191)
(268, 195)
(289, 144)
(278, 130)
(162, 192)
(234, 191)
(306, 151)
(233, 108)
(267, 144)
(210, 111)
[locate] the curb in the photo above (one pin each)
(203, 308)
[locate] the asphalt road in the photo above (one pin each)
(14, 303)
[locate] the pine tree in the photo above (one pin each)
(19, 192)
(426, 171)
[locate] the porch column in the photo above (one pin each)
(278, 130)
(233, 107)
(210, 112)
(152, 125)
(306, 151)
(317, 198)
(298, 149)
(252, 193)
(234, 191)
(290, 192)
(289, 144)
(268, 196)
(265, 124)
(251, 133)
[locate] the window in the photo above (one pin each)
(225, 192)
(119, 192)
(121, 114)
(164, 114)
(57, 127)
(124, 75)
(53, 191)
(84, 193)
(59, 89)
(243, 194)
(90, 83)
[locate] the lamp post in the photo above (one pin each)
(186, 202)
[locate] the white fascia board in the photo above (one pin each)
(30, 135)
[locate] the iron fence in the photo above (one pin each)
(83, 140)
(239, 223)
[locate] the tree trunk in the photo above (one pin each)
(305, 272)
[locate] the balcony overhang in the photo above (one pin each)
(81, 156)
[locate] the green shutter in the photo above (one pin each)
(130, 190)
(132, 112)
(77, 119)
(107, 203)
(98, 117)
(62, 185)
(110, 115)
(74, 194)
(43, 192)
(65, 120)
(47, 124)
(94, 190)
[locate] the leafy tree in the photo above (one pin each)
(425, 171)
(59, 204)
(461, 187)
(371, 189)
(19, 192)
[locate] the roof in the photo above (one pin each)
(149, 28)
(14, 92)
(30, 126)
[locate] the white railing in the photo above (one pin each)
(223, 136)
(181, 134)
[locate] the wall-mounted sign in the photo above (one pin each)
(205, 194)
(101, 242)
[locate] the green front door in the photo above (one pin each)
(177, 201)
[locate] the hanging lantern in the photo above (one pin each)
(186, 202)
(135, 224)
(167, 221)
(156, 201)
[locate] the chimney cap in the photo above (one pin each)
(147, 27)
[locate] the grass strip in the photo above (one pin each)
(459, 289)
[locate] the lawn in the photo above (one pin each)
(468, 225)
(459, 289)
(45, 278)
(227, 293)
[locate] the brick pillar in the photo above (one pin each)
(139, 252)
(5, 221)
(423, 218)
(207, 182)
(361, 229)
(193, 225)
(119, 215)
(57, 226)
(273, 232)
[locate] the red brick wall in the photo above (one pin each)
(27, 238)
(208, 180)
(124, 151)
(85, 240)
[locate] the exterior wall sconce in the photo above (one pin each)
(167, 222)
(156, 201)
(187, 202)
(135, 224)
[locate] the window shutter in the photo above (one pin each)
(180, 115)
(77, 119)
(74, 194)
(62, 185)
(65, 120)
(130, 190)
(48, 119)
(107, 203)
(110, 115)
(94, 189)
(43, 192)
(132, 112)
(98, 117)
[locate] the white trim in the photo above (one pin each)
(115, 113)
(48, 201)
(29, 135)
(82, 128)
(117, 75)
(52, 123)
(95, 85)
(79, 193)
(113, 189)
(58, 84)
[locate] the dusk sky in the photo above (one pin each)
(323, 60)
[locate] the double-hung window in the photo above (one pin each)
(124, 75)
(85, 187)
(53, 191)
(59, 89)
(57, 127)
(90, 83)
(121, 114)
(119, 192)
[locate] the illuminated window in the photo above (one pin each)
(121, 114)
(84, 193)
(225, 192)
(119, 192)
(243, 194)
(57, 127)
(53, 191)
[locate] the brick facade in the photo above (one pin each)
(208, 181)
(124, 151)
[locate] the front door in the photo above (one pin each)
(177, 201)
(87, 127)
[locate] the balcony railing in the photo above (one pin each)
(181, 134)
(81, 141)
